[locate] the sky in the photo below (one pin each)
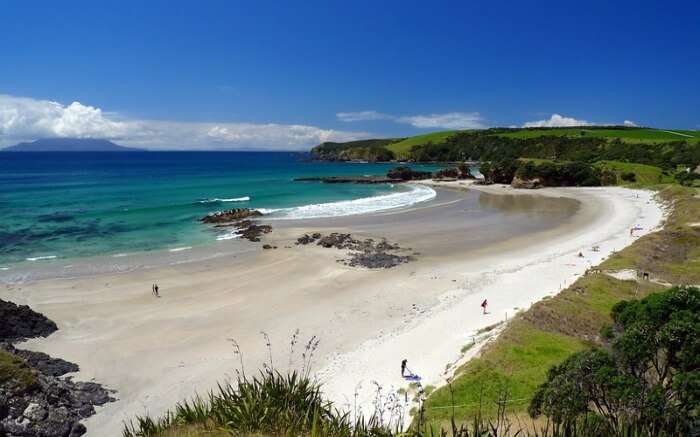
(288, 75)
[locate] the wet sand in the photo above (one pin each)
(511, 248)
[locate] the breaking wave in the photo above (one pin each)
(415, 194)
(233, 199)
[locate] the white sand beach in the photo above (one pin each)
(157, 351)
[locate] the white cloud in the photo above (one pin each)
(630, 123)
(23, 119)
(362, 116)
(557, 120)
(450, 120)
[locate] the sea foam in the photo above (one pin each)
(40, 258)
(415, 194)
(233, 199)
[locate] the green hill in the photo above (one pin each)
(402, 149)
(663, 148)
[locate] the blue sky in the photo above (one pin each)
(287, 74)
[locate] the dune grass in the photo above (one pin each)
(401, 148)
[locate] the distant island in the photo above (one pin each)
(70, 145)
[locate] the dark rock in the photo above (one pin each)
(230, 215)
(252, 231)
(408, 174)
(366, 253)
(19, 322)
(267, 246)
(308, 239)
(43, 362)
(49, 406)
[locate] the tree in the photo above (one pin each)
(646, 377)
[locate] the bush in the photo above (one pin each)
(647, 378)
(629, 177)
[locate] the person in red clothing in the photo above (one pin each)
(483, 305)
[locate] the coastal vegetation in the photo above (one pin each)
(585, 156)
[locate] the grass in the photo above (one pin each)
(643, 135)
(672, 254)
(401, 148)
(14, 371)
(645, 175)
(518, 360)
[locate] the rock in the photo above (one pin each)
(49, 406)
(267, 246)
(526, 183)
(230, 215)
(42, 362)
(408, 174)
(364, 253)
(19, 322)
(77, 430)
(308, 239)
(34, 412)
(252, 232)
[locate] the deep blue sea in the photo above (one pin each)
(68, 205)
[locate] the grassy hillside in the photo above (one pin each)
(646, 135)
(667, 149)
(518, 360)
(401, 148)
(645, 175)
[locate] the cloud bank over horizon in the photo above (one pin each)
(448, 120)
(27, 119)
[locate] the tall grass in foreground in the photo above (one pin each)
(274, 404)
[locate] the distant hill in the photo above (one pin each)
(658, 147)
(70, 145)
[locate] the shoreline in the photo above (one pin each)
(159, 352)
(510, 286)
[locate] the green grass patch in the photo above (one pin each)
(15, 372)
(645, 175)
(517, 362)
(643, 135)
(401, 148)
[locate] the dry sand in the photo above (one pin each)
(157, 351)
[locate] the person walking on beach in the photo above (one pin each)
(483, 305)
(155, 289)
(403, 367)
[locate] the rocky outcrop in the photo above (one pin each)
(526, 183)
(367, 253)
(252, 231)
(36, 399)
(230, 215)
(51, 407)
(408, 174)
(19, 323)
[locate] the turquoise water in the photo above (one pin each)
(67, 205)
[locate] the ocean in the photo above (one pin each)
(57, 206)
